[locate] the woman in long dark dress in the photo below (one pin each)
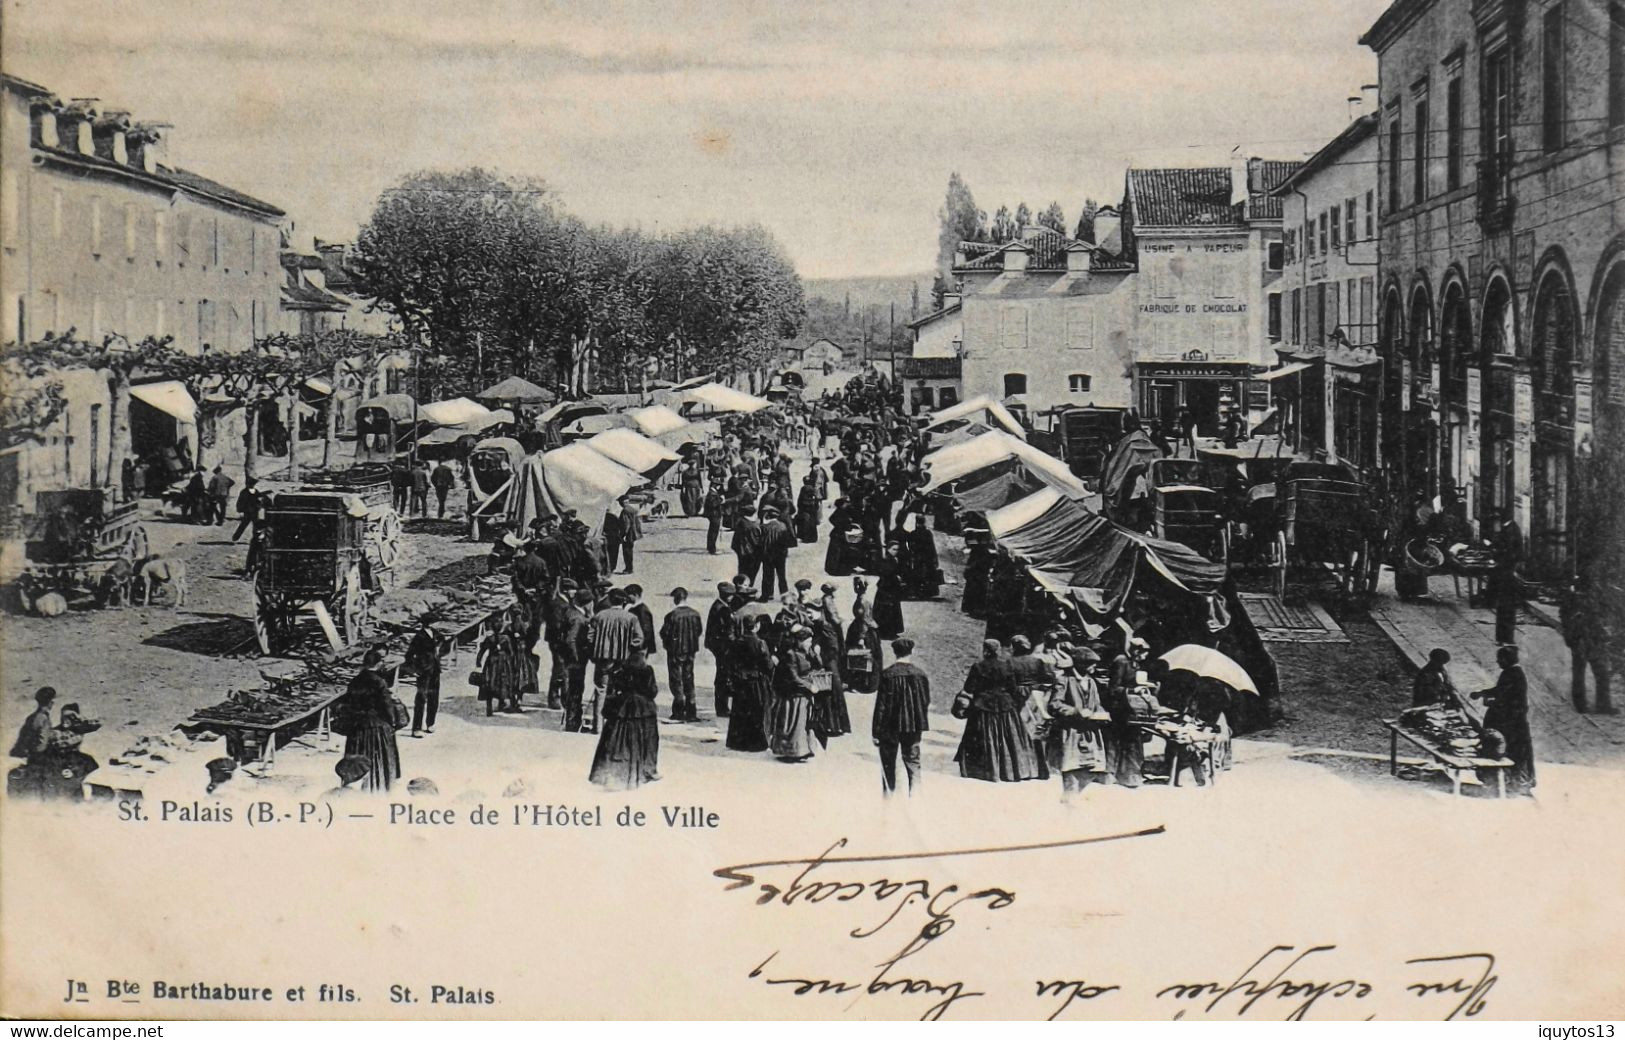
(502, 668)
(369, 714)
(628, 753)
(996, 746)
(922, 573)
(793, 701)
(838, 557)
(829, 635)
(861, 634)
(807, 510)
(978, 574)
(889, 594)
(749, 722)
(1506, 712)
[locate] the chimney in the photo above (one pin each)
(1015, 258)
(108, 133)
(1078, 257)
(1354, 106)
(1107, 224)
(1369, 97)
(44, 122)
(74, 125)
(145, 142)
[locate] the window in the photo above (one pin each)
(159, 328)
(1349, 222)
(56, 213)
(1275, 316)
(1080, 326)
(1014, 383)
(1224, 281)
(1163, 285)
(1337, 227)
(96, 226)
(1351, 307)
(1497, 115)
(1370, 215)
(1077, 383)
(130, 223)
(160, 233)
(214, 241)
(1224, 338)
(1277, 255)
(1323, 224)
(1334, 307)
(20, 312)
(1394, 203)
(11, 204)
(1015, 327)
(1419, 147)
(1452, 134)
(1309, 237)
(1162, 337)
(1616, 64)
(1551, 78)
(1368, 302)
(1297, 316)
(183, 237)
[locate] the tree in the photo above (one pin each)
(958, 221)
(1023, 218)
(1053, 218)
(1086, 222)
(1004, 227)
(29, 405)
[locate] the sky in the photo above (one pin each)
(834, 124)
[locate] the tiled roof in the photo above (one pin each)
(1352, 135)
(23, 86)
(928, 368)
(1263, 177)
(1047, 249)
(1197, 197)
(298, 294)
(166, 176)
(952, 308)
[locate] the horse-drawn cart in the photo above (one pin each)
(1187, 512)
(492, 467)
(1322, 517)
(76, 541)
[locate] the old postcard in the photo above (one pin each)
(778, 510)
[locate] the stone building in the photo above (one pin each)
(105, 234)
(1327, 390)
(1502, 294)
(932, 376)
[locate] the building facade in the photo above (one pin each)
(1206, 295)
(1327, 392)
(1047, 319)
(933, 376)
(101, 233)
(1502, 293)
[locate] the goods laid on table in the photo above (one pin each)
(1455, 743)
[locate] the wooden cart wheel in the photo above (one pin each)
(387, 539)
(352, 617)
(1280, 565)
(266, 623)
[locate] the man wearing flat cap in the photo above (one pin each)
(423, 657)
(719, 637)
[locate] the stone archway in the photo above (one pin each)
(1552, 353)
(1600, 546)
(1460, 391)
(1498, 347)
(1421, 420)
(1391, 346)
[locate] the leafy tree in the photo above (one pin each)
(1004, 226)
(1086, 221)
(1053, 218)
(1024, 216)
(958, 221)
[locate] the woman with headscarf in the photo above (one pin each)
(889, 593)
(749, 723)
(502, 667)
(1076, 745)
(862, 635)
(628, 753)
(996, 746)
(922, 573)
(793, 700)
(369, 715)
(838, 557)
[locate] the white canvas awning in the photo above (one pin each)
(169, 397)
(990, 448)
(1290, 369)
(997, 415)
(632, 450)
(719, 398)
(1021, 512)
(656, 420)
(455, 412)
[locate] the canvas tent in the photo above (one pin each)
(657, 420)
(972, 456)
(634, 451)
(572, 477)
(1074, 552)
(718, 398)
(984, 410)
(996, 486)
(454, 412)
(1132, 451)
(517, 391)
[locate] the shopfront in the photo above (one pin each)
(1209, 389)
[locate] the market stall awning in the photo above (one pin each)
(634, 451)
(997, 415)
(695, 381)
(657, 420)
(564, 411)
(993, 447)
(588, 425)
(169, 397)
(574, 477)
(518, 391)
(1289, 369)
(454, 412)
(1132, 450)
(719, 398)
(1022, 512)
(995, 487)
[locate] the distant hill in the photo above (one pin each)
(873, 291)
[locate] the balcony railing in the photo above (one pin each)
(1495, 201)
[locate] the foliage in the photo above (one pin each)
(1053, 218)
(27, 406)
(958, 221)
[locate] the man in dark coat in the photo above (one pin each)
(1506, 588)
(902, 710)
(646, 619)
(719, 635)
(442, 480)
(423, 656)
(777, 540)
(557, 619)
(575, 649)
(713, 518)
(1586, 632)
(1506, 711)
(748, 542)
(680, 640)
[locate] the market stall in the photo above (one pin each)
(962, 460)
(1452, 742)
(715, 397)
(983, 410)
(634, 451)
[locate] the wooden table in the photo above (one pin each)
(1178, 735)
(1452, 762)
(264, 731)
